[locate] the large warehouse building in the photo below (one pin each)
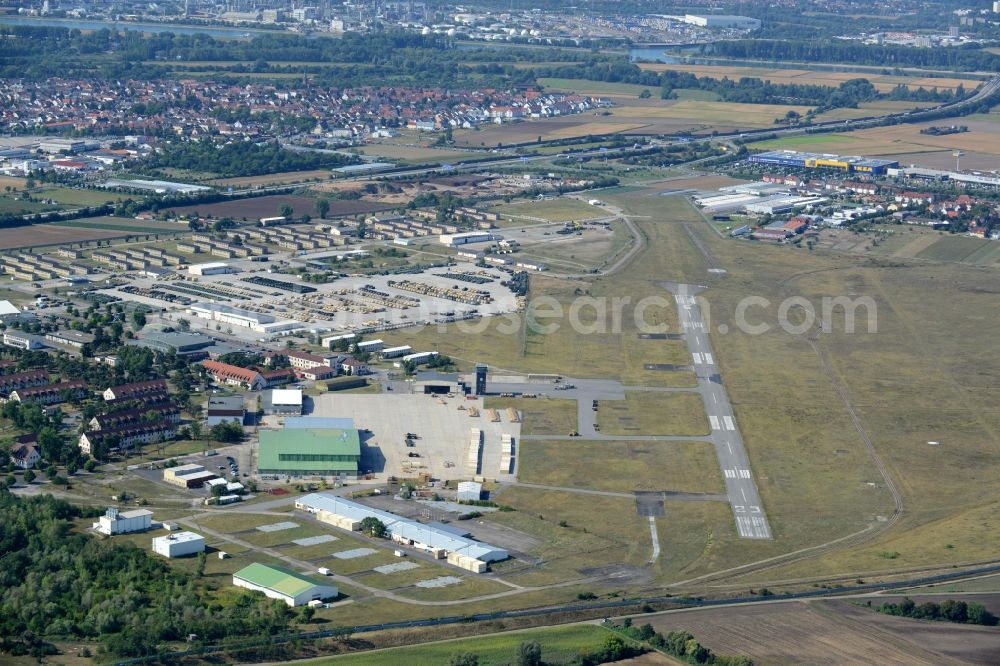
(277, 583)
(255, 321)
(722, 21)
(440, 542)
(790, 158)
(309, 452)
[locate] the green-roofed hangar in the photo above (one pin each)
(293, 588)
(309, 452)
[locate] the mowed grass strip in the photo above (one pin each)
(649, 413)
(621, 466)
(559, 646)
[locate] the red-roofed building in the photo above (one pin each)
(233, 375)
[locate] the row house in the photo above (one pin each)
(51, 394)
(128, 437)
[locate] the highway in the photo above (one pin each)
(748, 510)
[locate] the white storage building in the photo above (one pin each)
(286, 401)
(212, 268)
(124, 522)
(370, 345)
(419, 358)
(469, 491)
(179, 544)
(452, 240)
(393, 352)
(459, 550)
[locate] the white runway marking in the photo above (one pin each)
(744, 493)
(730, 473)
(729, 445)
(714, 422)
(697, 358)
(743, 473)
(708, 359)
(715, 399)
(656, 540)
(729, 422)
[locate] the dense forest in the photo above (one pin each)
(59, 584)
(241, 159)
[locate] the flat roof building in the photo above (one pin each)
(284, 401)
(849, 164)
(309, 452)
(459, 550)
(123, 522)
(225, 409)
(179, 544)
(293, 588)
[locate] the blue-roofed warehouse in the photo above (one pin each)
(442, 543)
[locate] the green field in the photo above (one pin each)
(10, 205)
(559, 646)
(621, 466)
(74, 197)
(562, 209)
(954, 248)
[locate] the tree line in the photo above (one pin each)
(241, 159)
(60, 584)
(842, 51)
(960, 612)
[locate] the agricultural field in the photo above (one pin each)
(13, 182)
(621, 466)
(255, 208)
(242, 182)
(410, 154)
(38, 235)
(903, 142)
(701, 114)
(882, 82)
(825, 632)
(559, 646)
(129, 225)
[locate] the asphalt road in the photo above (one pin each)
(751, 521)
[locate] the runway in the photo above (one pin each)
(748, 510)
